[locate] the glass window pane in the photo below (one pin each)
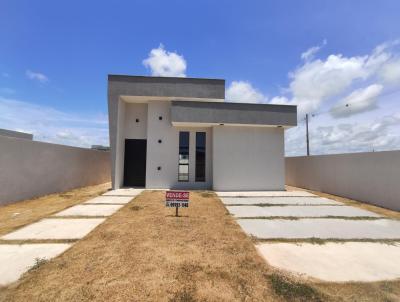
(200, 156)
(183, 163)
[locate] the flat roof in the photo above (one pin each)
(155, 79)
(132, 87)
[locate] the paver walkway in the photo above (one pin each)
(349, 261)
(91, 210)
(109, 200)
(323, 228)
(279, 200)
(266, 194)
(309, 217)
(299, 211)
(15, 259)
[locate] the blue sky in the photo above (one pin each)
(321, 55)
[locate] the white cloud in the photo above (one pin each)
(54, 126)
(390, 72)
(310, 53)
(360, 100)
(318, 81)
(244, 92)
(280, 100)
(164, 63)
(37, 76)
(378, 135)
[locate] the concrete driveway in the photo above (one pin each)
(288, 224)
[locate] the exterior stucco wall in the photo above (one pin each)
(166, 154)
(117, 168)
(248, 158)
(133, 129)
(152, 87)
(29, 169)
(371, 177)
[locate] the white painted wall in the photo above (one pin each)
(132, 129)
(120, 146)
(166, 154)
(372, 177)
(248, 158)
(245, 158)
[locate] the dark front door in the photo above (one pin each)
(135, 163)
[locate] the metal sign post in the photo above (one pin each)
(176, 199)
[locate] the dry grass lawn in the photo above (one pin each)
(144, 253)
(21, 213)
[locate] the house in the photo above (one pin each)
(180, 133)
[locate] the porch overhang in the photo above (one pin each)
(187, 113)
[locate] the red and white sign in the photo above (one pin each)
(177, 195)
(177, 199)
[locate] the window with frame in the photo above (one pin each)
(183, 162)
(200, 156)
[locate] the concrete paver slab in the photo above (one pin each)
(279, 200)
(323, 228)
(124, 192)
(110, 200)
(17, 259)
(265, 194)
(55, 229)
(91, 210)
(337, 262)
(299, 211)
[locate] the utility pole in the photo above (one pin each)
(308, 142)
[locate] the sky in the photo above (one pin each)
(338, 61)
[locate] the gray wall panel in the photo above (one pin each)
(233, 113)
(371, 177)
(29, 169)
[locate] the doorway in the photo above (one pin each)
(135, 163)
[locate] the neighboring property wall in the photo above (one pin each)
(166, 154)
(16, 134)
(29, 169)
(372, 177)
(248, 158)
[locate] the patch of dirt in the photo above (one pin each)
(24, 212)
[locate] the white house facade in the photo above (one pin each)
(180, 133)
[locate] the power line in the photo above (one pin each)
(347, 105)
